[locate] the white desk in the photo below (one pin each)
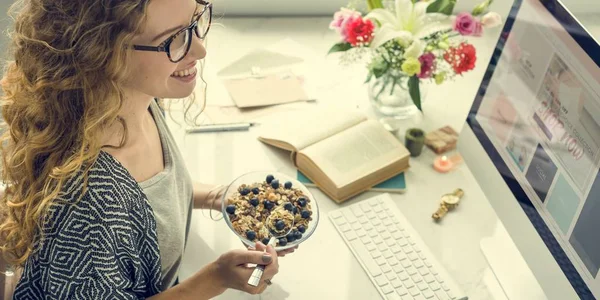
(323, 267)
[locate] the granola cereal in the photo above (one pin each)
(261, 210)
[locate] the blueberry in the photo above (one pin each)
(290, 237)
(282, 242)
(255, 191)
(298, 235)
(305, 214)
(244, 192)
(270, 178)
(301, 228)
(254, 202)
(288, 185)
(295, 210)
(302, 201)
(265, 241)
(279, 225)
(268, 204)
(275, 184)
(230, 209)
(289, 207)
(251, 235)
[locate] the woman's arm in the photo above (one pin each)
(204, 284)
(207, 196)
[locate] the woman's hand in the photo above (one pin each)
(279, 253)
(232, 270)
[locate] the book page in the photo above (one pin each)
(301, 130)
(357, 152)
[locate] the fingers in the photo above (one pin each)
(272, 269)
(241, 257)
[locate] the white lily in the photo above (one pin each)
(410, 22)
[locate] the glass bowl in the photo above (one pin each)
(243, 206)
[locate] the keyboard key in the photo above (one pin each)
(386, 235)
(407, 249)
(345, 227)
(423, 271)
(418, 264)
(368, 227)
(371, 215)
(429, 278)
(373, 202)
(361, 251)
(412, 256)
(350, 235)
(417, 278)
(411, 241)
(356, 211)
(390, 275)
(428, 264)
(390, 242)
(388, 222)
(397, 236)
(396, 283)
(393, 261)
(377, 208)
(363, 220)
(418, 297)
(408, 283)
(365, 207)
(375, 221)
(411, 270)
(336, 214)
(380, 228)
(396, 249)
(373, 233)
(428, 294)
(393, 296)
(435, 286)
(366, 240)
(387, 289)
(403, 276)
(361, 232)
(450, 294)
(371, 247)
(402, 241)
(382, 247)
(392, 229)
(433, 270)
(350, 217)
(380, 280)
(386, 269)
(402, 291)
(441, 295)
(438, 279)
(387, 254)
(377, 240)
(413, 291)
(375, 254)
(406, 263)
(398, 268)
(445, 287)
(380, 261)
(401, 256)
(356, 226)
(422, 286)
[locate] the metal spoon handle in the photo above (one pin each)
(257, 274)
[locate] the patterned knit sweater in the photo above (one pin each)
(103, 247)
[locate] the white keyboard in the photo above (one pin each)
(392, 253)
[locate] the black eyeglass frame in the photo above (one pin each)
(165, 46)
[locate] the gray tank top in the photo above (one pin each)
(170, 195)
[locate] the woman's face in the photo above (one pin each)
(153, 74)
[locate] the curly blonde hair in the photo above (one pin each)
(61, 92)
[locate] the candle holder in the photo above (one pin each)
(415, 140)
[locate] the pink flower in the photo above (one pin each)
(427, 65)
(358, 31)
(340, 18)
(466, 24)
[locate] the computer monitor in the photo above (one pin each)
(533, 143)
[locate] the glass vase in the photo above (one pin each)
(389, 96)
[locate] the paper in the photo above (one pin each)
(261, 58)
(266, 90)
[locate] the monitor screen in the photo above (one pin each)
(537, 115)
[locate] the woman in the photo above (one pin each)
(98, 201)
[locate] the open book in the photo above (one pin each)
(343, 152)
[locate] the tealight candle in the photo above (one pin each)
(443, 164)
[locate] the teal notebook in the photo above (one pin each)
(396, 184)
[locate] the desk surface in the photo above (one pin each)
(323, 267)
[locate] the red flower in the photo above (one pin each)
(358, 31)
(461, 58)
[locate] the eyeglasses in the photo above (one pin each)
(178, 45)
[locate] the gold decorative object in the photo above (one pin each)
(448, 203)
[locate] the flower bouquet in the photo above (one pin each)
(406, 41)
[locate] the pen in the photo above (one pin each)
(221, 127)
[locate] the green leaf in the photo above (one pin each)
(442, 6)
(415, 93)
(369, 77)
(341, 47)
(373, 4)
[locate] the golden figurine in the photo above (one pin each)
(448, 203)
